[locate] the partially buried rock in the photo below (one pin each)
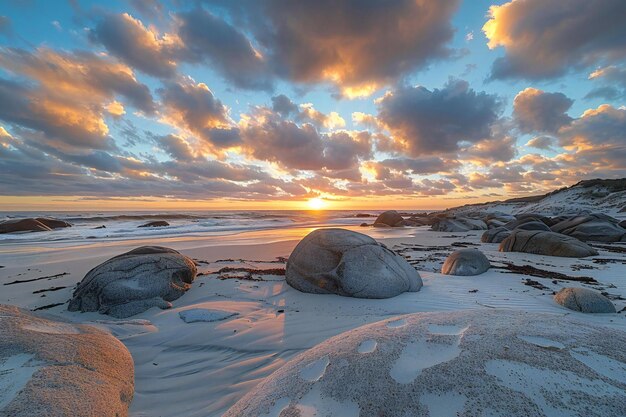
(496, 235)
(465, 262)
(546, 243)
(466, 363)
(51, 368)
(594, 227)
(389, 218)
(351, 264)
(584, 300)
(157, 223)
(128, 284)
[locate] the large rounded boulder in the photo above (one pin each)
(496, 235)
(133, 282)
(584, 300)
(52, 368)
(351, 264)
(466, 363)
(389, 218)
(546, 243)
(594, 227)
(465, 262)
(458, 224)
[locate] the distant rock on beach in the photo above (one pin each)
(130, 283)
(478, 362)
(546, 243)
(51, 368)
(338, 261)
(465, 262)
(389, 218)
(584, 300)
(39, 224)
(156, 223)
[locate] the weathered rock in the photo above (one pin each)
(351, 264)
(503, 217)
(496, 235)
(533, 216)
(364, 225)
(465, 262)
(459, 224)
(133, 282)
(494, 223)
(51, 368)
(584, 300)
(594, 227)
(622, 224)
(546, 243)
(53, 223)
(533, 225)
(389, 218)
(23, 225)
(156, 223)
(470, 363)
(518, 223)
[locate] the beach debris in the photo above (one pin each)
(487, 361)
(47, 306)
(465, 262)
(546, 243)
(49, 368)
(130, 283)
(351, 264)
(48, 277)
(542, 273)
(51, 289)
(584, 300)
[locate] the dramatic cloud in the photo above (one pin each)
(429, 122)
(127, 38)
(603, 126)
(537, 111)
(356, 45)
(547, 39)
(207, 38)
(192, 106)
(542, 142)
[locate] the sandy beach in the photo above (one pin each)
(202, 368)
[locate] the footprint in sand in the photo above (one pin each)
(315, 370)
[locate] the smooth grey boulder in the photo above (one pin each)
(594, 227)
(40, 224)
(533, 216)
(533, 221)
(53, 368)
(465, 262)
(458, 224)
(351, 264)
(389, 218)
(533, 225)
(584, 300)
(481, 362)
(133, 282)
(496, 235)
(546, 243)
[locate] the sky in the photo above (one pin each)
(279, 104)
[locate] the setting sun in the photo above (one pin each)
(316, 204)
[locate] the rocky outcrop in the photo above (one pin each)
(496, 235)
(52, 368)
(389, 218)
(472, 363)
(465, 262)
(156, 223)
(351, 264)
(584, 300)
(594, 227)
(546, 243)
(40, 224)
(459, 224)
(130, 283)
(53, 223)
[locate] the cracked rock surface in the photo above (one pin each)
(133, 282)
(546, 243)
(351, 264)
(51, 368)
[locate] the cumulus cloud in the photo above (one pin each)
(193, 107)
(537, 111)
(605, 125)
(429, 122)
(362, 46)
(127, 38)
(547, 39)
(612, 83)
(542, 142)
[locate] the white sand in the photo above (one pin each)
(202, 368)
